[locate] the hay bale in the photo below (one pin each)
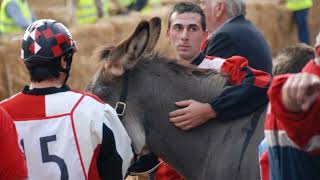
(4, 92)
(12, 68)
(47, 4)
(273, 21)
(125, 25)
(277, 24)
(88, 38)
(58, 13)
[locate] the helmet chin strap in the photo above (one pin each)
(68, 59)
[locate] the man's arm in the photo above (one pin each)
(13, 11)
(12, 164)
(299, 124)
(249, 92)
(99, 5)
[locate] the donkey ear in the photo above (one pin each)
(128, 52)
(155, 30)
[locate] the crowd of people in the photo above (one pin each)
(16, 15)
(49, 122)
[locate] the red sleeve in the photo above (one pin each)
(295, 124)
(311, 67)
(12, 164)
(264, 166)
(237, 69)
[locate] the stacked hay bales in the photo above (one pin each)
(13, 73)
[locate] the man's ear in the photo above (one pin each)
(206, 34)
(220, 7)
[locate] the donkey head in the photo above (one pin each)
(107, 82)
(125, 55)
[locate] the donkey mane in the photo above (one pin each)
(154, 58)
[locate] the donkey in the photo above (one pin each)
(149, 85)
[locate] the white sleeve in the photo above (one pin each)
(122, 140)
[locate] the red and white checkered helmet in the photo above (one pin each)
(44, 41)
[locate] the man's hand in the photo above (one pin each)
(191, 115)
(300, 91)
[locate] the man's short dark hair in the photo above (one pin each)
(45, 72)
(188, 7)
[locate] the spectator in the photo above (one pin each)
(231, 34)
(150, 6)
(290, 60)
(66, 134)
(15, 16)
(12, 164)
(88, 11)
(292, 123)
(300, 10)
(126, 6)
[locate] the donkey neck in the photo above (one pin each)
(163, 84)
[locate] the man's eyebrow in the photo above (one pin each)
(188, 25)
(193, 25)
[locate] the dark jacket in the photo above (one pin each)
(240, 37)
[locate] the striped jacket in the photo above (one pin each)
(293, 139)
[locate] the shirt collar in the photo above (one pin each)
(230, 19)
(45, 91)
(198, 59)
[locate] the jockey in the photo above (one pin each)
(12, 165)
(65, 134)
(292, 124)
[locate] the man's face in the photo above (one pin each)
(186, 34)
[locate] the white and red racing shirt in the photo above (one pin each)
(69, 134)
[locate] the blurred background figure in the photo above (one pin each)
(15, 16)
(151, 5)
(300, 9)
(144, 6)
(88, 11)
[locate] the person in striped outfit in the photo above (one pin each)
(64, 133)
(292, 128)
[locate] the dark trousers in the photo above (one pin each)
(301, 18)
(138, 5)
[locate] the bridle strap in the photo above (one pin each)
(121, 104)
